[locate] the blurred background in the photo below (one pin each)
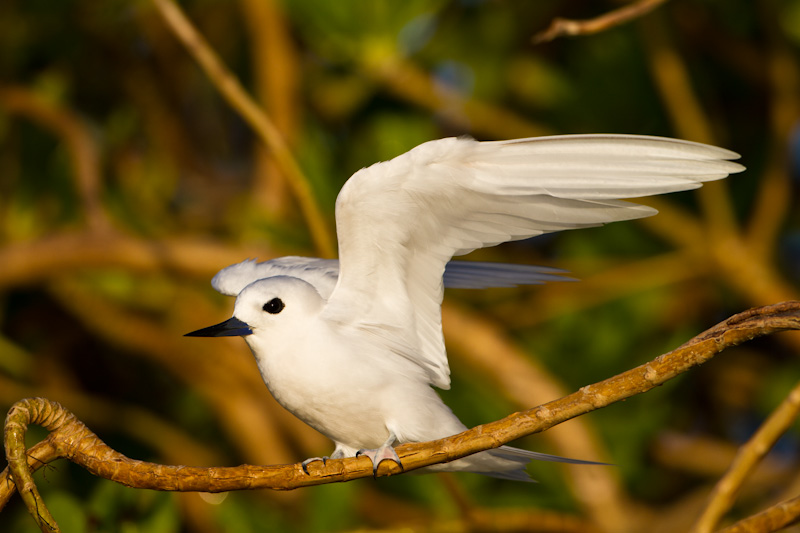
(127, 181)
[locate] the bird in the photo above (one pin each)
(354, 347)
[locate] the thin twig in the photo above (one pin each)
(775, 518)
(78, 444)
(275, 64)
(560, 27)
(749, 455)
(230, 88)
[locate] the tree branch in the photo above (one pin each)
(561, 27)
(74, 441)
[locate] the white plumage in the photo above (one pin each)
(352, 347)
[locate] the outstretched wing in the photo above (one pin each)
(323, 273)
(401, 221)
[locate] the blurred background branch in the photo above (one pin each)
(264, 127)
(561, 27)
(750, 454)
(128, 177)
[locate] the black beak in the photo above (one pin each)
(233, 327)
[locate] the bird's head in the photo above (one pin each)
(266, 306)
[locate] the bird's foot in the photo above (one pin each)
(378, 455)
(304, 464)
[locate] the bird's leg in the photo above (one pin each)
(378, 455)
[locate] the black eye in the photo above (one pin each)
(274, 306)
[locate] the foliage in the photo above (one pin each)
(126, 182)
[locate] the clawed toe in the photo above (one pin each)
(304, 464)
(378, 455)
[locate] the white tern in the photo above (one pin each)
(352, 347)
